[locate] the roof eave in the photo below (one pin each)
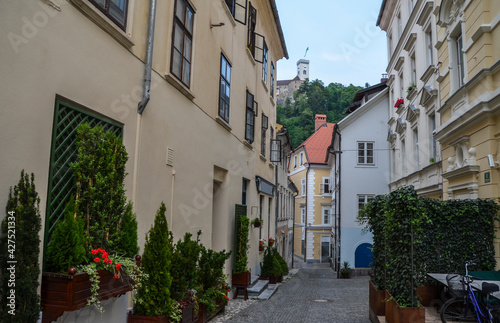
(280, 30)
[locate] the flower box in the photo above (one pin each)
(396, 314)
(189, 314)
(273, 280)
(242, 279)
(428, 294)
(377, 298)
(132, 318)
(203, 316)
(65, 292)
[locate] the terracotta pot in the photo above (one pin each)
(132, 318)
(242, 279)
(64, 292)
(396, 314)
(377, 298)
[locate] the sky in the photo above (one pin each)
(345, 45)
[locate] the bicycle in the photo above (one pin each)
(464, 306)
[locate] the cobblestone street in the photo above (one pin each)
(313, 294)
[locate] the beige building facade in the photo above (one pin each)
(201, 143)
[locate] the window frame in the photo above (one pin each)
(250, 117)
(460, 62)
(365, 155)
(326, 210)
(264, 62)
(224, 111)
(366, 197)
(325, 184)
(272, 80)
(415, 147)
(185, 32)
(107, 13)
(302, 214)
(294, 161)
(264, 126)
(303, 186)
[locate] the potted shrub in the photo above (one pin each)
(282, 265)
(276, 270)
(345, 272)
(97, 225)
(257, 222)
(241, 275)
(153, 302)
(266, 266)
(186, 253)
(24, 222)
(212, 287)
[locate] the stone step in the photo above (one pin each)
(257, 288)
(268, 292)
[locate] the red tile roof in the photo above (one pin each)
(316, 145)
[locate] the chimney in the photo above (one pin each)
(384, 78)
(320, 120)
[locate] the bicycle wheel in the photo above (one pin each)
(454, 311)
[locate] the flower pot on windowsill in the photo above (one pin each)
(65, 293)
(132, 318)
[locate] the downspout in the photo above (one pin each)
(305, 223)
(277, 205)
(149, 59)
(340, 201)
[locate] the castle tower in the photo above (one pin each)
(303, 69)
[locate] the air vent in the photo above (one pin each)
(170, 156)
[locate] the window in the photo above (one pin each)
(250, 117)
(400, 25)
(413, 70)
(403, 157)
(182, 37)
(401, 85)
(304, 72)
(263, 137)
(460, 59)
(272, 80)
(261, 206)
(415, 145)
(325, 186)
(294, 161)
(255, 41)
(116, 10)
(264, 64)
(428, 46)
(326, 215)
(365, 153)
(244, 191)
(432, 128)
(302, 214)
(362, 200)
(225, 88)
(238, 9)
(301, 159)
(303, 186)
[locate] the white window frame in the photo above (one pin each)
(324, 183)
(365, 197)
(303, 186)
(428, 45)
(302, 214)
(294, 161)
(415, 147)
(326, 210)
(365, 153)
(301, 159)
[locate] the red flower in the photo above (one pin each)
(116, 276)
(118, 265)
(108, 261)
(105, 255)
(227, 298)
(94, 252)
(97, 259)
(100, 250)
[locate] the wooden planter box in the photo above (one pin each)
(242, 279)
(132, 318)
(377, 298)
(273, 280)
(429, 294)
(396, 314)
(203, 316)
(189, 314)
(64, 292)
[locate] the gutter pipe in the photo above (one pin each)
(149, 59)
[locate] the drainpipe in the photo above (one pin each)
(149, 59)
(339, 203)
(306, 216)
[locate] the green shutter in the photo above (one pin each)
(67, 118)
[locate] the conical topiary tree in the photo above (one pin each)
(153, 298)
(19, 252)
(127, 234)
(67, 245)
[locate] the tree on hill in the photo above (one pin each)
(311, 98)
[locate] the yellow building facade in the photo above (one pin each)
(469, 78)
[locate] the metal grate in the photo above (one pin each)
(67, 118)
(170, 156)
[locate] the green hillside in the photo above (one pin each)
(310, 99)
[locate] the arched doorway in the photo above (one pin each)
(363, 256)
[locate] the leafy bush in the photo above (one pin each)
(22, 224)
(242, 245)
(184, 266)
(153, 298)
(266, 267)
(445, 235)
(67, 246)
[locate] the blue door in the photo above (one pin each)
(363, 256)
